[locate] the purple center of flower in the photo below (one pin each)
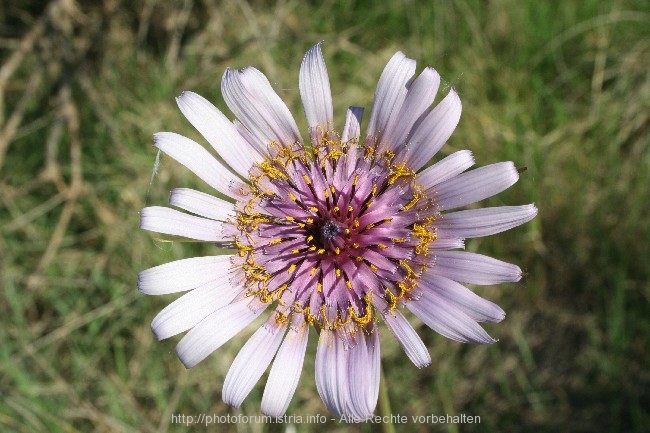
(325, 232)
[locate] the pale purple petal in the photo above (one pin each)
(198, 160)
(390, 94)
(446, 168)
(407, 337)
(251, 98)
(251, 362)
(479, 309)
(201, 204)
(331, 373)
(475, 185)
(474, 268)
(447, 319)
(363, 366)
(447, 244)
(419, 98)
(285, 372)
(315, 91)
(433, 132)
(219, 132)
(188, 310)
(352, 128)
(216, 329)
(475, 223)
(183, 275)
(172, 222)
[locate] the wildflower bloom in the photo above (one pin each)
(335, 233)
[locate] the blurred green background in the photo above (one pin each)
(559, 87)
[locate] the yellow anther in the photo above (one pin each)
(309, 220)
(382, 246)
(310, 238)
(426, 236)
(275, 241)
(373, 267)
(392, 300)
(313, 209)
(369, 226)
(289, 218)
(312, 248)
(367, 316)
(319, 287)
(338, 272)
(370, 203)
(301, 225)
(374, 190)
(332, 189)
(307, 181)
(399, 170)
(312, 271)
(321, 251)
(280, 318)
(336, 208)
(356, 223)
(356, 179)
(350, 209)
(337, 250)
(348, 283)
(413, 202)
(389, 155)
(291, 268)
(398, 240)
(355, 245)
(296, 251)
(347, 231)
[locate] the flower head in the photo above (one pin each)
(335, 233)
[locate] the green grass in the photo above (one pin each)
(561, 88)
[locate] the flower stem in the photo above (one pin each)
(384, 403)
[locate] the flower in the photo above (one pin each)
(335, 233)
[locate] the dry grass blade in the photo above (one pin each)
(71, 114)
(13, 123)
